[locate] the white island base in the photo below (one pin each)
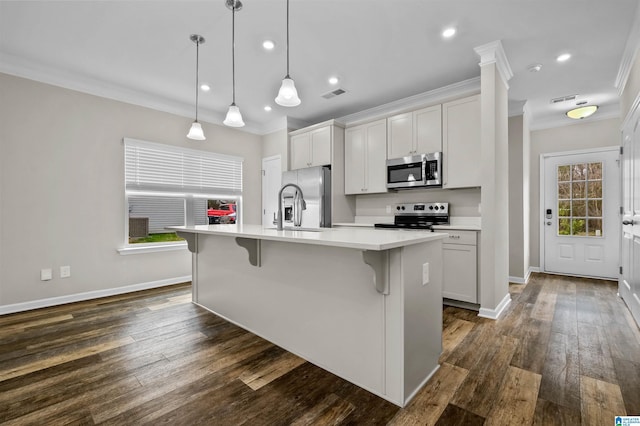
(349, 301)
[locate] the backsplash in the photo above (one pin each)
(462, 202)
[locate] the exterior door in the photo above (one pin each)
(271, 182)
(581, 213)
(629, 282)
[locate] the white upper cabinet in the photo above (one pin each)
(417, 132)
(365, 158)
(461, 142)
(312, 148)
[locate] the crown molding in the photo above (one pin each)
(516, 108)
(493, 53)
(452, 91)
(629, 54)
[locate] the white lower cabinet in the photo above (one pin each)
(460, 266)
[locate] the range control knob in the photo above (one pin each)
(437, 208)
(402, 207)
(397, 207)
(430, 207)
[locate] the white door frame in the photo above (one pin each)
(542, 193)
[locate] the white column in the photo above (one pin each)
(495, 72)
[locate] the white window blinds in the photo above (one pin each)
(157, 167)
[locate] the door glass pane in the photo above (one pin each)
(578, 208)
(564, 208)
(564, 191)
(595, 189)
(580, 199)
(579, 190)
(579, 171)
(595, 227)
(579, 226)
(564, 173)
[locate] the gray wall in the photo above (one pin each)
(516, 216)
(62, 188)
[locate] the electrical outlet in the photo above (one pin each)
(65, 271)
(46, 274)
(388, 209)
(425, 273)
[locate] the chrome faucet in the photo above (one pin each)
(303, 203)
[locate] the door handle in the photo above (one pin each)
(549, 223)
(627, 222)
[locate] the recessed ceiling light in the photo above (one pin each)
(267, 108)
(449, 32)
(333, 80)
(268, 45)
(205, 87)
(564, 57)
(582, 112)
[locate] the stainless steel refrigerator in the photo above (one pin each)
(315, 183)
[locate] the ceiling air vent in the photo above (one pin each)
(563, 99)
(334, 93)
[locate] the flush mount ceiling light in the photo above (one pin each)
(564, 57)
(195, 132)
(234, 118)
(582, 112)
(288, 95)
(448, 32)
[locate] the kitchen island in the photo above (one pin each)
(363, 304)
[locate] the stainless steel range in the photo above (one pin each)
(418, 216)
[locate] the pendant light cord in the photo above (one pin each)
(197, 73)
(233, 51)
(287, 39)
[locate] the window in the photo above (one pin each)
(172, 186)
(580, 199)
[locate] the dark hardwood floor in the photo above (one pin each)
(565, 352)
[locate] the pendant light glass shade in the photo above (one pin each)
(195, 132)
(234, 118)
(288, 95)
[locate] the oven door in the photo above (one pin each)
(406, 172)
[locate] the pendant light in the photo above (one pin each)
(195, 132)
(288, 95)
(234, 118)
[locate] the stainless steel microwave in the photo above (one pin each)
(415, 171)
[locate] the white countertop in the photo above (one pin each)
(356, 238)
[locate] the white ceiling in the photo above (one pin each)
(383, 51)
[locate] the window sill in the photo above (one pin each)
(126, 251)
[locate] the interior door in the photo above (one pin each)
(271, 183)
(581, 214)
(629, 282)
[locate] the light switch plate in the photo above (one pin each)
(65, 271)
(46, 274)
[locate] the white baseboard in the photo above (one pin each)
(79, 297)
(495, 313)
(520, 280)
